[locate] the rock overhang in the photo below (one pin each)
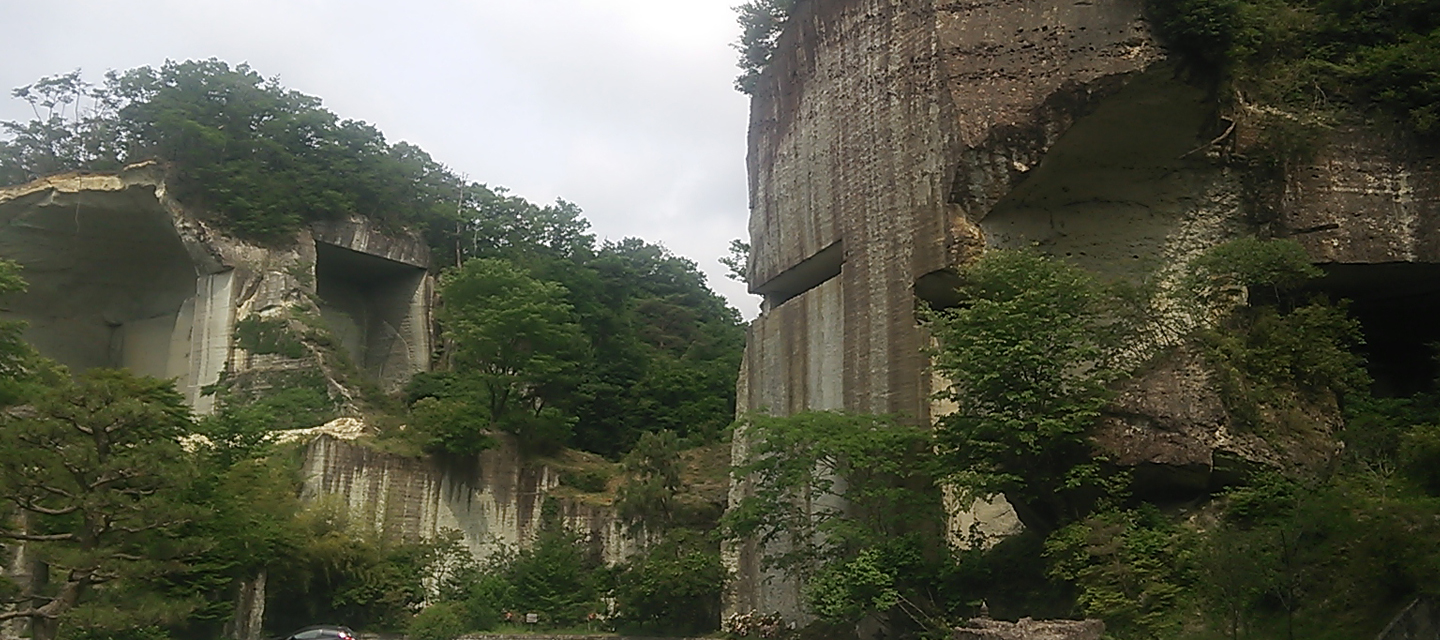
(122, 275)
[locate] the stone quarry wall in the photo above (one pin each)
(881, 138)
(894, 140)
(495, 500)
(122, 275)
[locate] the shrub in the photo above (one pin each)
(439, 621)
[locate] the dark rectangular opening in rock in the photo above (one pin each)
(369, 302)
(808, 274)
(1398, 306)
(939, 289)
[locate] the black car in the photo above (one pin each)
(323, 632)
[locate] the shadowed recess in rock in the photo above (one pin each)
(111, 284)
(1397, 305)
(1111, 191)
(368, 302)
(810, 273)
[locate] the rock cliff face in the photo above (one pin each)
(894, 140)
(494, 501)
(121, 275)
(886, 142)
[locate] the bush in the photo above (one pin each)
(674, 588)
(1029, 355)
(439, 621)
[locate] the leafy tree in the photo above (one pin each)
(652, 471)
(557, 576)
(93, 469)
(673, 588)
(667, 349)
(439, 621)
(1134, 569)
(830, 495)
(738, 260)
(265, 159)
(1269, 347)
(1029, 354)
(761, 22)
(516, 337)
(344, 571)
(1324, 55)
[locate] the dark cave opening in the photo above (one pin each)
(1398, 306)
(369, 302)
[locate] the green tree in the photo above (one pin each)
(94, 469)
(344, 570)
(829, 494)
(1028, 353)
(517, 338)
(738, 260)
(761, 22)
(652, 472)
(674, 587)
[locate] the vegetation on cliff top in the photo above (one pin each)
(761, 22)
(1324, 55)
(650, 347)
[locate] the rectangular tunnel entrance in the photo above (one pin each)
(375, 308)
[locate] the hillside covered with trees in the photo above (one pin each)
(148, 521)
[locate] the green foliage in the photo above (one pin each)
(94, 470)
(1132, 568)
(266, 159)
(1313, 54)
(1012, 579)
(343, 571)
(1028, 354)
(451, 425)
(761, 22)
(652, 471)
(1420, 456)
(262, 336)
(557, 577)
(1278, 265)
(1274, 355)
(439, 621)
(738, 260)
(673, 588)
(846, 591)
(517, 339)
(827, 484)
(665, 349)
(1327, 559)
(830, 493)
(587, 480)
(293, 399)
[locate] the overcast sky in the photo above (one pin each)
(624, 107)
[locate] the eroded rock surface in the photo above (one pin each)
(1027, 629)
(892, 141)
(494, 500)
(884, 139)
